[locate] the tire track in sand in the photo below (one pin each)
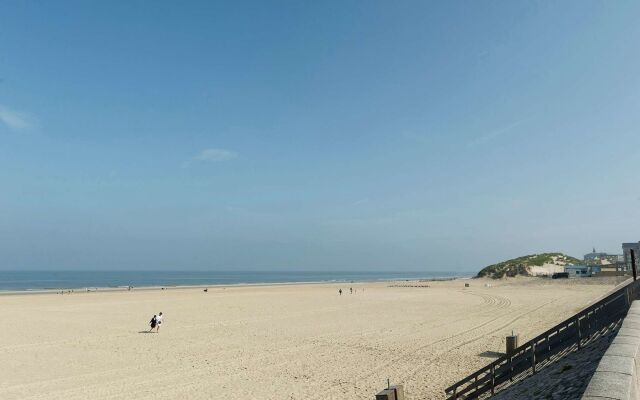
(495, 302)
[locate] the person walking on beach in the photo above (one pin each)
(153, 323)
(350, 290)
(340, 291)
(158, 322)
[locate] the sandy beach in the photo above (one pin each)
(272, 342)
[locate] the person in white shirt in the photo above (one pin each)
(158, 322)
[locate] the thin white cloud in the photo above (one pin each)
(498, 132)
(216, 155)
(360, 202)
(211, 155)
(15, 120)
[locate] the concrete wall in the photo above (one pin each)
(618, 374)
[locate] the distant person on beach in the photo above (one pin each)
(158, 322)
(350, 290)
(153, 323)
(340, 291)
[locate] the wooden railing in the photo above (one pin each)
(540, 351)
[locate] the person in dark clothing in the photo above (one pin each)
(153, 323)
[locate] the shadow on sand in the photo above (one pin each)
(146, 332)
(491, 354)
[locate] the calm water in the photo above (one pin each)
(24, 280)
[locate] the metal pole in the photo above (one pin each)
(633, 264)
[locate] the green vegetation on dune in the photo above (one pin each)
(521, 265)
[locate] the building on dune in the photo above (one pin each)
(600, 258)
(581, 271)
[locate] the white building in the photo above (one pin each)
(581, 271)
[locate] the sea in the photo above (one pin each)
(39, 280)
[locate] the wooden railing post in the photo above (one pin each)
(493, 379)
(579, 333)
(533, 357)
(547, 345)
(510, 369)
(627, 293)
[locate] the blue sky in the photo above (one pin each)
(315, 135)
